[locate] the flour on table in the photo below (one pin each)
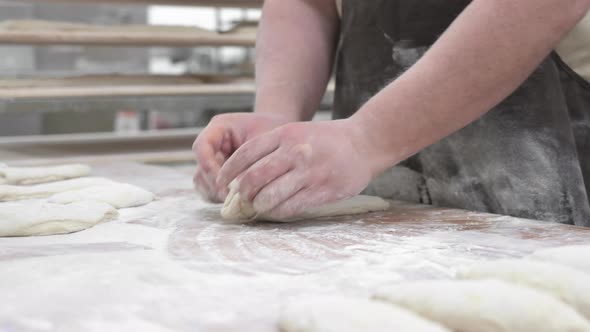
(485, 306)
(234, 208)
(41, 218)
(33, 175)
(119, 195)
(342, 314)
(13, 193)
(577, 257)
(567, 284)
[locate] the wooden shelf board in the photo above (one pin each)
(106, 137)
(124, 91)
(203, 3)
(98, 38)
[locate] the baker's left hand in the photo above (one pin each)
(299, 166)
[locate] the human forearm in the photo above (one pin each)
(294, 54)
(484, 56)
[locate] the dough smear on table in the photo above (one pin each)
(119, 195)
(342, 314)
(567, 284)
(577, 256)
(40, 218)
(234, 208)
(485, 306)
(33, 175)
(14, 193)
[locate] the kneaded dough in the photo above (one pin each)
(343, 314)
(485, 306)
(577, 256)
(118, 195)
(567, 284)
(14, 193)
(234, 208)
(42, 218)
(33, 175)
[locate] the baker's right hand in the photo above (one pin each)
(223, 135)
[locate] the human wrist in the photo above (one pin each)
(283, 111)
(372, 141)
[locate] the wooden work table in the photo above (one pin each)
(173, 265)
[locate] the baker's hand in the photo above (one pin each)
(215, 144)
(299, 166)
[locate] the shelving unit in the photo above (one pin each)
(147, 92)
(127, 91)
(140, 92)
(204, 3)
(103, 138)
(35, 32)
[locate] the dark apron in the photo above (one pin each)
(527, 157)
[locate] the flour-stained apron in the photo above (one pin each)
(528, 157)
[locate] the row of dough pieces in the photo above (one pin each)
(545, 292)
(76, 203)
(234, 208)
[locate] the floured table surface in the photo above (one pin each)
(173, 265)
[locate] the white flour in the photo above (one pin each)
(173, 266)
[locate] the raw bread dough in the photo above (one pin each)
(342, 314)
(234, 208)
(577, 257)
(13, 193)
(119, 195)
(32, 175)
(567, 284)
(486, 306)
(41, 218)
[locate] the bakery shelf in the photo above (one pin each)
(200, 3)
(38, 32)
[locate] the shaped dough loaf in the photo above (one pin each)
(33, 175)
(41, 218)
(341, 314)
(234, 208)
(567, 284)
(485, 306)
(13, 193)
(577, 257)
(119, 195)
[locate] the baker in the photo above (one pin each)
(459, 104)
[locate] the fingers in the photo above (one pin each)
(248, 154)
(279, 191)
(205, 185)
(209, 142)
(211, 148)
(202, 186)
(263, 172)
(300, 202)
